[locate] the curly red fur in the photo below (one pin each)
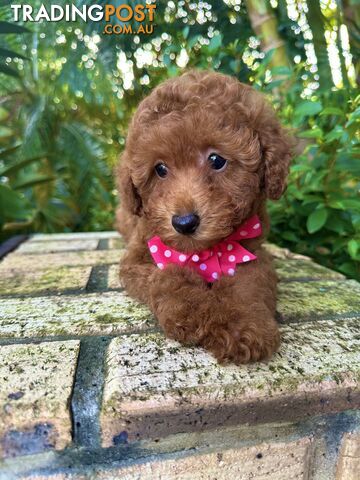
(177, 124)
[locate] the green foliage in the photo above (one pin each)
(319, 214)
(53, 170)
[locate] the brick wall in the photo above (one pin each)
(90, 388)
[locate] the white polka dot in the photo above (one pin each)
(231, 271)
(243, 233)
(195, 258)
(231, 258)
(203, 266)
(153, 249)
(245, 258)
(167, 253)
(182, 257)
(160, 265)
(214, 275)
(256, 226)
(219, 254)
(230, 247)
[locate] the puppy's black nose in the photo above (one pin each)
(185, 224)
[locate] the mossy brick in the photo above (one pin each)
(271, 461)
(105, 313)
(298, 301)
(45, 280)
(45, 237)
(36, 385)
(115, 312)
(348, 465)
(52, 246)
(85, 258)
(167, 388)
(114, 280)
(284, 253)
(299, 269)
(116, 243)
(59, 476)
(287, 270)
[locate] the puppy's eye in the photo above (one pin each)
(161, 169)
(217, 162)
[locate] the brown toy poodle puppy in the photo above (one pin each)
(203, 153)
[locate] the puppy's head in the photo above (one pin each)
(203, 151)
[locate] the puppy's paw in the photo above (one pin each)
(241, 343)
(182, 303)
(184, 321)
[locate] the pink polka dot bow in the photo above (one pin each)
(214, 262)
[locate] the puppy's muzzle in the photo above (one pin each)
(186, 224)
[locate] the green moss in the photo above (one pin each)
(299, 300)
(304, 269)
(43, 280)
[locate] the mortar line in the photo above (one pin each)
(87, 392)
(57, 294)
(157, 329)
(98, 279)
(11, 244)
(104, 289)
(65, 338)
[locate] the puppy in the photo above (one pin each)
(203, 154)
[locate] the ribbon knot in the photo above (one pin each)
(211, 263)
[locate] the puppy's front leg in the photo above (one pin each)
(182, 303)
(242, 327)
(234, 319)
(178, 297)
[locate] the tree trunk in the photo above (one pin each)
(316, 22)
(351, 18)
(343, 69)
(264, 24)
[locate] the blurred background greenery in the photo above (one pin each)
(67, 92)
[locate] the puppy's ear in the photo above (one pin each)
(129, 196)
(276, 150)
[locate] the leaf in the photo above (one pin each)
(5, 53)
(9, 71)
(33, 181)
(353, 247)
(335, 134)
(353, 117)
(13, 205)
(346, 204)
(313, 133)
(316, 220)
(300, 168)
(281, 70)
(4, 114)
(166, 59)
(10, 169)
(215, 43)
(348, 268)
(290, 236)
(186, 31)
(308, 108)
(348, 162)
(193, 41)
(332, 111)
(5, 132)
(7, 152)
(274, 84)
(6, 27)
